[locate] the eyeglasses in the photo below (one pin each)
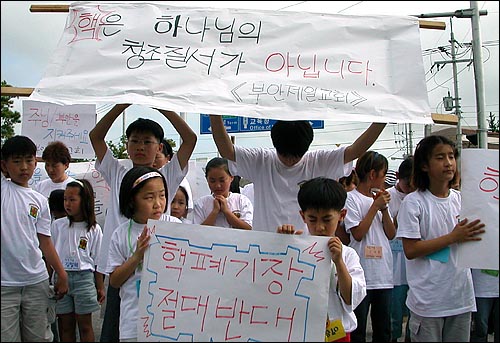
(146, 142)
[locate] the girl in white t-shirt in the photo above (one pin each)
(441, 295)
(222, 208)
(370, 226)
(77, 239)
(143, 196)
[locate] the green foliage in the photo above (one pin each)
(9, 117)
(493, 125)
(119, 150)
(171, 142)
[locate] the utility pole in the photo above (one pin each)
(467, 13)
(123, 123)
(477, 51)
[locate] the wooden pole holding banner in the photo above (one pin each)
(423, 24)
(438, 118)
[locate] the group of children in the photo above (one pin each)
(296, 192)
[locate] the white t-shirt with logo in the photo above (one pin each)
(76, 246)
(25, 213)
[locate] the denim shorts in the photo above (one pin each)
(82, 294)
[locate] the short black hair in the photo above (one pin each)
(144, 125)
(167, 148)
(56, 200)
(321, 193)
(18, 146)
(292, 138)
(128, 190)
(405, 168)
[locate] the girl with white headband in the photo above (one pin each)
(143, 196)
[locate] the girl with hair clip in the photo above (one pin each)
(441, 294)
(370, 226)
(77, 239)
(143, 196)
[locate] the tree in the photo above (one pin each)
(493, 123)
(9, 117)
(120, 150)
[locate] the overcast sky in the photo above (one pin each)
(29, 38)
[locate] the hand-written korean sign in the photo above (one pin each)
(211, 284)
(45, 123)
(480, 177)
(266, 64)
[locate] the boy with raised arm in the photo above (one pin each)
(143, 142)
(277, 173)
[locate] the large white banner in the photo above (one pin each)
(212, 284)
(45, 123)
(480, 176)
(255, 63)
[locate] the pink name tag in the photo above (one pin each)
(373, 251)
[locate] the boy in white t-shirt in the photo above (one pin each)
(322, 202)
(25, 237)
(277, 173)
(143, 142)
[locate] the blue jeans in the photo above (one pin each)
(380, 301)
(110, 331)
(486, 307)
(398, 310)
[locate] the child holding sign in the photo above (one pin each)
(321, 202)
(441, 295)
(370, 225)
(143, 196)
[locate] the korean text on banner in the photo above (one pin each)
(46, 122)
(255, 63)
(211, 284)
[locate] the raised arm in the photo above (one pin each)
(188, 137)
(221, 138)
(98, 133)
(364, 142)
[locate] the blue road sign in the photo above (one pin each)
(236, 124)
